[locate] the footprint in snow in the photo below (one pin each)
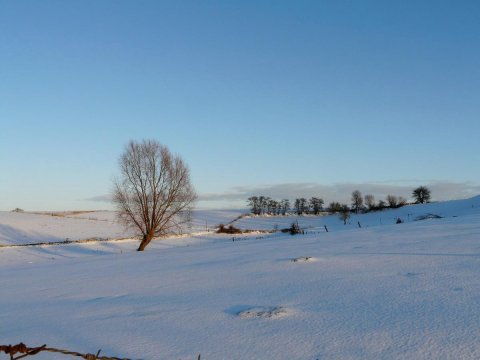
(304, 259)
(412, 274)
(265, 312)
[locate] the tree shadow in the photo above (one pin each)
(52, 246)
(14, 236)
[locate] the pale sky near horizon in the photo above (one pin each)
(292, 98)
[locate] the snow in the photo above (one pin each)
(396, 291)
(25, 228)
(30, 228)
(388, 216)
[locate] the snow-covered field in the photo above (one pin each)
(25, 228)
(406, 291)
(29, 228)
(407, 214)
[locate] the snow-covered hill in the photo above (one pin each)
(406, 291)
(408, 213)
(28, 228)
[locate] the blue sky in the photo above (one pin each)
(286, 96)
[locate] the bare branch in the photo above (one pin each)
(154, 194)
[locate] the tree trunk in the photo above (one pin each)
(145, 241)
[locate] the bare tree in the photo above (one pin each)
(421, 195)
(272, 207)
(315, 205)
(357, 201)
(370, 202)
(154, 194)
(285, 205)
(392, 201)
(254, 204)
(300, 206)
(334, 207)
(263, 200)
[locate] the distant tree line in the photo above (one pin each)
(261, 205)
(264, 205)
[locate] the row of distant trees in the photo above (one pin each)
(264, 205)
(368, 203)
(261, 205)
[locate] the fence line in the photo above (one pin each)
(25, 351)
(67, 241)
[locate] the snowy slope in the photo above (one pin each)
(407, 291)
(201, 219)
(407, 214)
(25, 228)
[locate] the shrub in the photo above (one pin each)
(344, 214)
(392, 201)
(294, 229)
(228, 230)
(381, 205)
(401, 201)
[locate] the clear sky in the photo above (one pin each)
(286, 96)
